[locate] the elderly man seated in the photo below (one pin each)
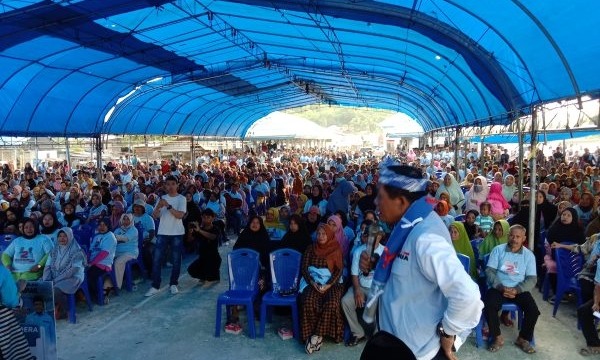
(511, 274)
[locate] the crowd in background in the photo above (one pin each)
(318, 202)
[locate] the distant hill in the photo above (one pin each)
(351, 120)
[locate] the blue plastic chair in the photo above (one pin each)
(72, 303)
(243, 265)
(128, 275)
(5, 241)
(466, 261)
(285, 276)
(100, 285)
(460, 217)
(568, 265)
(83, 235)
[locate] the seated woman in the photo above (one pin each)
(26, 255)
(102, 254)
(442, 208)
(50, 227)
(127, 246)
(66, 268)
(320, 310)
(498, 236)
(284, 216)
(254, 237)
(275, 228)
(118, 209)
(566, 229)
(444, 196)
(13, 344)
(591, 249)
(297, 237)
(97, 210)
(462, 245)
(68, 217)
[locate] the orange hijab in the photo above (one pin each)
(331, 250)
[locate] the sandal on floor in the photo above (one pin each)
(525, 346)
(590, 350)
(313, 344)
(506, 321)
(355, 340)
(496, 346)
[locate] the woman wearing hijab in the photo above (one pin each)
(127, 245)
(313, 219)
(316, 199)
(442, 208)
(13, 345)
(301, 202)
(68, 217)
(50, 226)
(118, 209)
(26, 255)
(297, 237)
(477, 194)
(102, 254)
(567, 229)
(65, 268)
(335, 222)
(462, 245)
(499, 206)
(320, 310)
(254, 237)
(26, 202)
(97, 209)
(274, 227)
(450, 186)
(366, 202)
(498, 236)
(509, 188)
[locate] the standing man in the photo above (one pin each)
(427, 298)
(170, 210)
(511, 274)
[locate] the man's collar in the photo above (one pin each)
(508, 249)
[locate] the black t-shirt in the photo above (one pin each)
(208, 247)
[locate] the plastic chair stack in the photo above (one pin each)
(243, 265)
(285, 276)
(568, 265)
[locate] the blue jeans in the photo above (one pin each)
(176, 243)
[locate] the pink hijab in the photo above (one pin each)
(340, 236)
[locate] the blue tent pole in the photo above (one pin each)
(68, 152)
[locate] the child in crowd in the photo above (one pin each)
(485, 221)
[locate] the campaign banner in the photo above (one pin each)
(37, 319)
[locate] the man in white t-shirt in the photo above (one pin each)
(170, 209)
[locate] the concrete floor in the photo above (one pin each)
(182, 326)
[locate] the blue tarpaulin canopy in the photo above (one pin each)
(206, 67)
(554, 136)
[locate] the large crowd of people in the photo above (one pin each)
(322, 203)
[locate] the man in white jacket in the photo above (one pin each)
(428, 298)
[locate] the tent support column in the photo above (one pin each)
(99, 157)
(146, 146)
(456, 145)
(68, 152)
(532, 186)
(481, 154)
(520, 161)
(192, 161)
